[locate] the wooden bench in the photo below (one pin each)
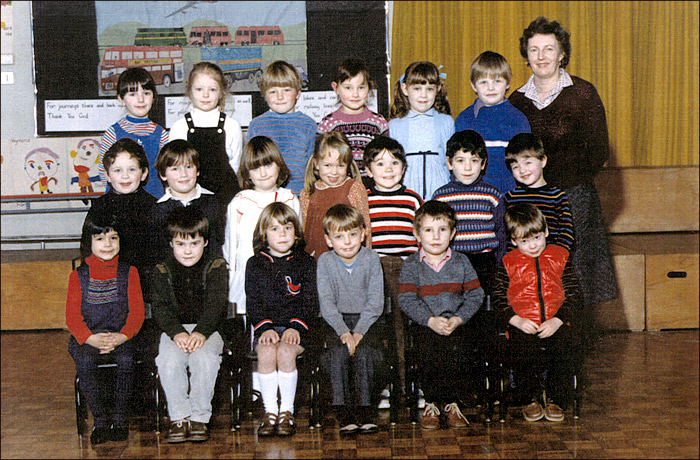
(652, 218)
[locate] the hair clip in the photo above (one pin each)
(442, 75)
(402, 79)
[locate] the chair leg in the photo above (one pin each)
(80, 409)
(577, 396)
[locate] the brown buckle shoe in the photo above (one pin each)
(430, 419)
(198, 432)
(179, 430)
(455, 417)
(552, 412)
(285, 424)
(268, 425)
(533, 412)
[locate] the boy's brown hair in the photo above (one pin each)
(490, 64)
(523, 144)
(437, 210)
(342, 217)
(524, 220)
(133, 148)
(176, 152)
(187, 222)
(282, 74)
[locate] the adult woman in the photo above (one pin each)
(568, 115)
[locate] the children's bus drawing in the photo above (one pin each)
(209, 36)
(164, 63)
(259, 35)
(237, 63)
(160, 36)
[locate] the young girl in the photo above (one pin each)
(136, 91)
(352, 84)
(280, 283)
(420, 120)
(104, 311)
(216, 137)
(331, 177)
(261, 175)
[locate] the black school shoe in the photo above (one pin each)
(120, 433)
(100, 435)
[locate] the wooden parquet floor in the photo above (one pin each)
(640, 400)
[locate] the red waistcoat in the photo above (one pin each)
(534, 281)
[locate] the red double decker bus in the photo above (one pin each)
(164, 63)
(259, 35)
(209, 36)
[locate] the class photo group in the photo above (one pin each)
(449, 231)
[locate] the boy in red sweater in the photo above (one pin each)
(536, 293)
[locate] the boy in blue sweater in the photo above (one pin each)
(293, 132)
(492, 115)
(479, 205)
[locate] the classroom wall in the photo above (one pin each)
(19, 126)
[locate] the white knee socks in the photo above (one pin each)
(268, 389)
(288, 388)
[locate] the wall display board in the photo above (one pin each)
(81, 47)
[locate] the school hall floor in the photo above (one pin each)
(640, 400)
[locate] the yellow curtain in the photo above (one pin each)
(641, 56)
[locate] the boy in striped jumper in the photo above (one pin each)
(392, 208)
(440, 291)
(526, 160)
(479, 206)
(293, 132)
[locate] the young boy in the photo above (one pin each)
(526, 159)
(351, 299)
(536, 294)
(178, 166)
(127, 167)
(293, 132)
(392, 209)
(190, 299)
(440, 291)
(479, 205)
(492, 115)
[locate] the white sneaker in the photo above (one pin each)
(384, 402)
(421, 399)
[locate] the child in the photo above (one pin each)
(479, 205)
(526, 159)
(392, 208)
(440, 291)
(420, 120)
(261, 175)
(104, 310)
(360, 125)
(127, 167)
(189, 303)
(351, 297)
(536, 294)
(492, 115)
(178, 166)
(280, 283)
(293, 132)
(215, 136)
(136, 91)
(331, 177)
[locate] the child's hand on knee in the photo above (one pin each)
(195, 342)
(526, 325)
(181, 339)
(291, 336)
(269, 337)
(438, 324)
(348, 340)
(453, 323)
(549, 327)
